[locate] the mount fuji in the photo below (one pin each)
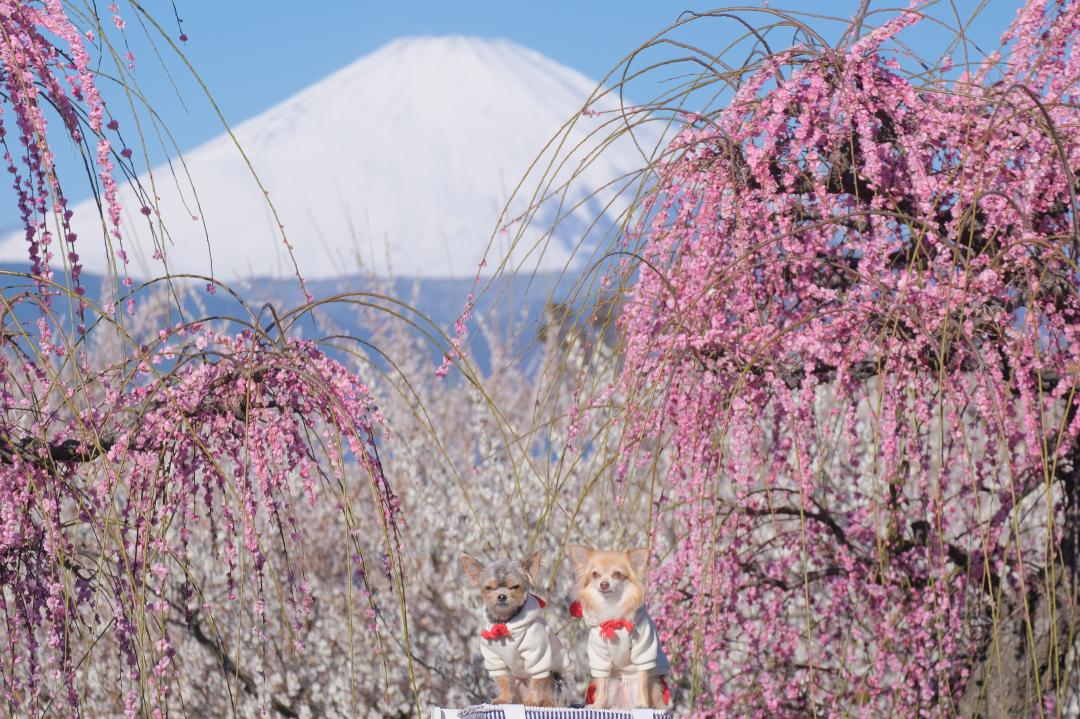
(400, 163)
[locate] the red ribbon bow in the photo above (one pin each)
(539, 601)
(608, 628)
(497, 631)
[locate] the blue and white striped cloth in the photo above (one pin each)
(517, 711)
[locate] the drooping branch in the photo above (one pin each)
(46, 453)
(793, 372)
(229, 668)
(39, 452)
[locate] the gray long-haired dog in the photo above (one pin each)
(521, 652)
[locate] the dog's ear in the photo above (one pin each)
(472, 569)
(579, 557)
(531, 565)
(639, 560)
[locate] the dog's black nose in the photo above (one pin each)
(502, 597)
(604, 585)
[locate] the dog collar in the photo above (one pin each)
(497, 631)
(608, 628)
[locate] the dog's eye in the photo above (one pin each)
(617, 575)
(515, 587)
(596, 575)
(489, 589)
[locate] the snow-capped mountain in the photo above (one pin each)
(400, 162)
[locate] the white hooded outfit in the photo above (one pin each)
(532, 651)
(619, 652)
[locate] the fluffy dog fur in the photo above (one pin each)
(611, 590)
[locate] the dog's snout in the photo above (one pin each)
(502, 597)
(605, 584)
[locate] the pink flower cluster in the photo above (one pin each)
(113, 463)
(234, 438)
(44, 62)
(854, 326)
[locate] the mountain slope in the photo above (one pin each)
(400, 162)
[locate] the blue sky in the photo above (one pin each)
(253, 54)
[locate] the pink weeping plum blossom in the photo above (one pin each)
(852, 322)
(45, 62)
(111, 463)
(238, 446)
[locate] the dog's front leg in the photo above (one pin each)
(642, 698)
(541, 692)
(505, 682)
(599, 699)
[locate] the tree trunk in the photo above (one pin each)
(1024, 657)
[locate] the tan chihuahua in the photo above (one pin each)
(623, 643)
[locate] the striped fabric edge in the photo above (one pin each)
(563, 713)
(482, 714)
(558, 713)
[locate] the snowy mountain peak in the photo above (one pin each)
(400, 162)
